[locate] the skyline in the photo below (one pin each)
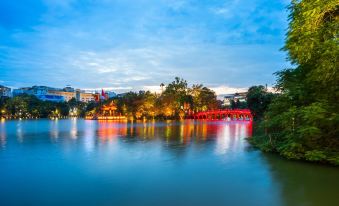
(226, 45)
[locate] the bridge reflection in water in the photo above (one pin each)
(183, 132)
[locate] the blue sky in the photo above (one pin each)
(124, 45)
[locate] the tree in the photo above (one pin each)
(175, 96)
(258, 100)
(303, 122)
(176, 101)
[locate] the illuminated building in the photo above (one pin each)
(109, 109)
(107, 112)
(78, 95)
(87, 97)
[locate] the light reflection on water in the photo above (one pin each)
(2, 133)
(187, 162)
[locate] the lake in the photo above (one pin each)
(84, 162)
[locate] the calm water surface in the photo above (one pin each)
(79, 162)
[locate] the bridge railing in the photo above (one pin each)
(229, 114)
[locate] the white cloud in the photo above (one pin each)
(223, 89)
(119, 44)
(153, 89)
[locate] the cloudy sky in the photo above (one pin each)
(124, 45)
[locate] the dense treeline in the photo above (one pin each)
(302, 122)
(258, 101)
(175, 101)
(29, 106)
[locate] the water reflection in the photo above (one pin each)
(304, 183)
(89, 136)
(19, 132)
(2, 133)
(184, 132)
(54, 130)
(74, 128)
(227, 135)
(109, 130)
(146, 163)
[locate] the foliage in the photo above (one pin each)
(203, 98)
(238, 104)
(258, 99)
(29, 106)
(303, 120)
(136, 105)
(176, 101)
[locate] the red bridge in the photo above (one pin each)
(227, 114)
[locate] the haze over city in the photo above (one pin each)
(135, 45)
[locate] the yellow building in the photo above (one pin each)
(67, 95)
(87, 97)
(83, 97)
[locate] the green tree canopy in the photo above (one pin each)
(303, 122)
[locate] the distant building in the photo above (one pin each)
(39, 90)
(78, 94)
(22, 90)
(241, 96)
(100, 96)
(51, 97)
(66, 95)
(5, 91)
(227, 99)
(87, 97)
(34, 90)
(111, 94)
(68, 88)
(55, 94)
